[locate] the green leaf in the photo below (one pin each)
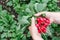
(45, 1)
(15, 1)
(17, 7)
(24, 38)
(39, 6)
(28, 35)
(44, 36)
(23, 20)
(0, 7)
(9, 3)
(18, 27)
(28, 10)
(8, 34)
(13, 35)
(31, 7)
(3, 39)
(3, 35)
(1, 28)
(13, 39)
(3, 12)
(57, 29)
(54, 25)
(20, 34)
(55, 38)
(50, 31)
(23, 29)
(55, 0)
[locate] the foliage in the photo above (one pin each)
(10, 29)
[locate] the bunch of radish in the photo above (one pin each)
(42, 24)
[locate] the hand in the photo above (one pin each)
(48, 15)
(33, 30)
(51, 15)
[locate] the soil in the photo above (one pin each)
(9, 8)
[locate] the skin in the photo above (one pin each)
(53, 16)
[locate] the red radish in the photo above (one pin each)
(48, 21)
(41, 19)
(44, 31)
(44, 19)
(43, 28)
(39, 31)
(42, 24)
(45, 25)
(37, 25)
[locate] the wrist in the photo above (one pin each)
(37, 37)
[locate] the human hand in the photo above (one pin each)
(51, 15)
(33, 31)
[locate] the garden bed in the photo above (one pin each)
(15, 18)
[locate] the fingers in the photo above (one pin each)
(32, 21)
(29, 27)
(51, 20)
(38, 14)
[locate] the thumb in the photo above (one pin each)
(51, 20)
(32, 21)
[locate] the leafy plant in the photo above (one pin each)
(10, 29)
